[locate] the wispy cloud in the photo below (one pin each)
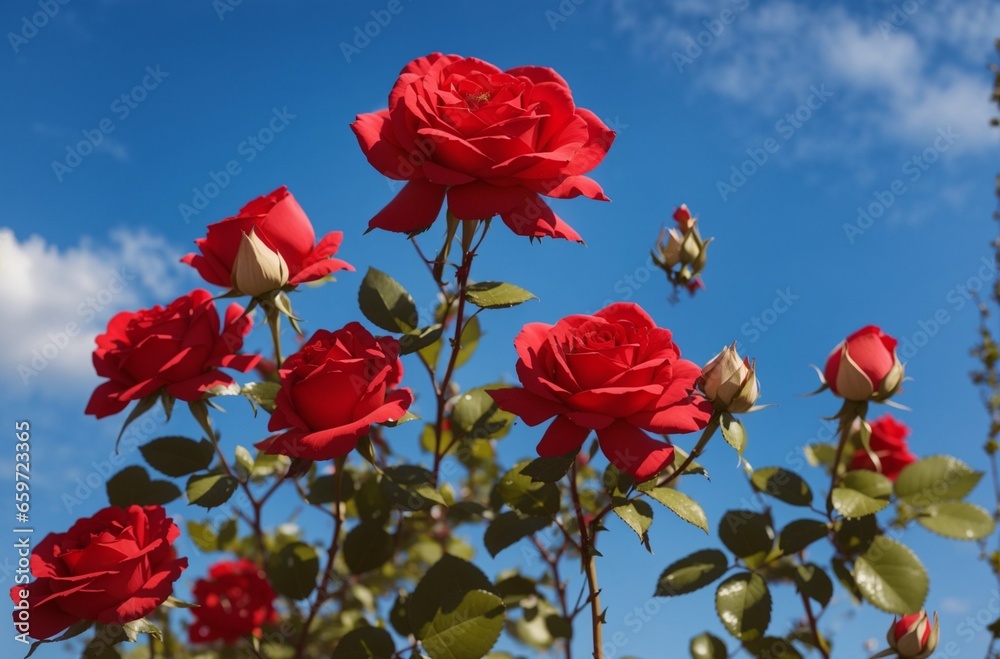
(108, 145)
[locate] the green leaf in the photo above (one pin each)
(861, 493)
(513, 590)
(743, 603)
(420, 338)
(733, 432)
(496, 295)
(507, 528)
(210, 490)
(178, 456)
(321, 490)
(261, 394)
(843, 574)
(466, 628)
(957, 519)
(143, 406)
(132, 485)
(853, 536)
(891, 578)
(74, 630)
(207, 538)
(385, 302)
(367, 547)
(820, 454)
(292, 571)
(935, 479)
(813, 582)
(408, 487)
(244, 463)
(470, 340)
(691, 573)
(637, 514)
(550, 470)
(365, 643)
(693, 468)
(444, 584)
(801, 533)
(476, 416)
(141, 626)
(772, 647)
(398, 616)
(783, 485)
(525, 495)
(747, 534)
(707, 646)
(682, 505)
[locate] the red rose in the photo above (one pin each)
(177, 349)
(114, 567)
(864, 366)
(615, 372)
(888, 443)
(493, 141)
(281, 224)
(234, 601)
(332, 391)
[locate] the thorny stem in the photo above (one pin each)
(820, 644)
(589, 567)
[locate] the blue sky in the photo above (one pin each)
(844, 107)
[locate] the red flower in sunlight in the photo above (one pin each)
(282, 226)
(177, 349)
(888, 443)
(332, 391)
(615, 372)
(864, 366)
(114, 567)
(234, 601)
(492, 141)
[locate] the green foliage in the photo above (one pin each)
(890, 577)
(210, 490)
(691, 573)
(292, 571)
(509, 527)
(681, 505)
(743, 603)
(496, 295)
(132, 485)
(385, 302)
(861, 493)
(527, 496)
(178, 456)
(783, 485)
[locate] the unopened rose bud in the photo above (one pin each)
(257, 269)
(729, 382)
(865, 366)
(914, 636)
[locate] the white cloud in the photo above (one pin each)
(893, 82)
(56, 300)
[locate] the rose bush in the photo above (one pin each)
(234, 601)
(177, 349)
(278, 221)
(614, 372)
(114, 567)
(492, 141)
(332, 390)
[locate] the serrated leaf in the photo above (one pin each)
(783, 485)
(691, 573)
(244, 463)
(934, 479)
(891, 578)
(861, 493)
(365, 643)
(681, 505)
(813, 582)
(958, 520)
(292, 571)
(385, 302)
(748, 534)
(321, 489)
(510, 527)
(476, 416)
(525, 495)
(820, 454)
(496, 295)
(551, 469)
(132, 485)
(733, 432)
(419, 339)
(707, 646)
(178, 456)
(261, 394)
(210, 490)
(442, 586)
(637, 514)
(408, 487)
(465, 628)
(801, 533)
(367, 547)
(743, 603)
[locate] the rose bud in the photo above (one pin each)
(864, 366)
(730, 382)
(914, 636)
(257, 269)
(681, 251)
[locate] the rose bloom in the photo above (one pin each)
(114, 567)
(234, 601)
(864, 366)
(888, 443)
(615, 372)
(492, 141)
(281, 224)
(332, 391)
(177, 349)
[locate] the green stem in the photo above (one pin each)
(274, 322)
(589, 567)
